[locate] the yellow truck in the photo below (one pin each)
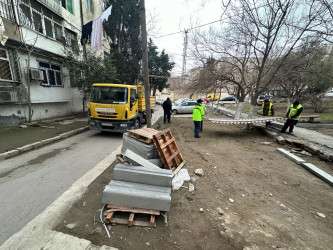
(213, 97)
(117, 107)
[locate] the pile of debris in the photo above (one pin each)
(142, 183)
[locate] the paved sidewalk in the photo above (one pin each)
(314, 139)
(18, 136)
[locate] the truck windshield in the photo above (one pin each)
(109, 95)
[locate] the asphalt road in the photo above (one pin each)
(30, 182)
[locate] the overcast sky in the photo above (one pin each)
(177, 15)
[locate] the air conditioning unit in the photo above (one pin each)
(36, 74)
(8, 97)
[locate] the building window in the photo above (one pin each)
(6, 71)
(52, 74)
(37, 17)
(6, 10)
(88, 5)
(68, 5)
(71, 38)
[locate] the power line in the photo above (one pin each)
(202, 25)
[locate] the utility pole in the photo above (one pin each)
(145, 62)
(85, 60)
(184, 55)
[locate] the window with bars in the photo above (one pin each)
(5, 67)
(37, 17)
(52, 74)
(6, 10)
(71, 38)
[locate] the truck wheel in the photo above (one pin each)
(175, 112)
(137, 124)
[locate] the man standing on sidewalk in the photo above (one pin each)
(167, 107)
(293, 114)
(267, 110)
(197, 118)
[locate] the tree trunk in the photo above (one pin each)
(288, 103)
(218, 102)
(253, 104)
(239, 110)
(29, 92)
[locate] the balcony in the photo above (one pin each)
(54, 5)
(6, 10)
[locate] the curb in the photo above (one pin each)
(41, 143)
(314, 149)
(38, 233)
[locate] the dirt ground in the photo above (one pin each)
(275, 201)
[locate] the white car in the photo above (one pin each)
(329, 93)
(186, 107)
(179, 101)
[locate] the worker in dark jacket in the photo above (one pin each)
(197, 118)
(267, 110)
(167, 107)
(293, 114)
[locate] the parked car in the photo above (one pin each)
(329, 93)
(229, 99)
(186, 107)
(159, 101)
(179, 101)
(261, 98)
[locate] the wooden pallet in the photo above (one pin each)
(113, 209)
(120, 157)
(168, 150)
(143, 134)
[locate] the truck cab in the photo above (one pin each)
(213, 97)
(116, 107)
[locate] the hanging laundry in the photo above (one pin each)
(105, 15)
(97, 30)
(86, 33)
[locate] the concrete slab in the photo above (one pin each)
(318, 172)
(144, 175)
(136, 159)
(60, 240)
(137, 195)
(156, 162)
(291, 156)
(146, 151)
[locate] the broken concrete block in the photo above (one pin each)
(136, 159)
(280, 140)
(291, 156)
(137, 195)
(144, 175)
(318, 172)
(199, 172)
(146, 151)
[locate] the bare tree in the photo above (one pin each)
(255, 39)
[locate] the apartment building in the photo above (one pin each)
(34, 38)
